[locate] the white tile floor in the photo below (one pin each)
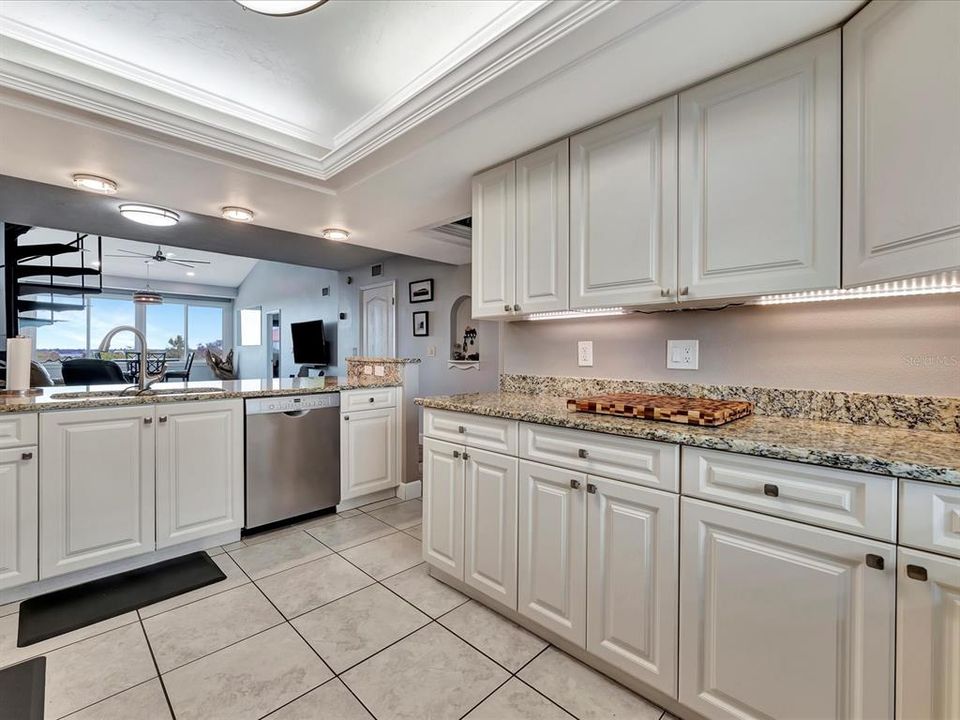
(332, 619)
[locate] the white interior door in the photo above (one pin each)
(378, 320)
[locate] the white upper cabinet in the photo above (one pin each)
(199, 470)
(783, 620)
(901, 141)
(543, 230)
(760, 176)
(96, 487)
(623, 210)
(494, 242)
(18, 516)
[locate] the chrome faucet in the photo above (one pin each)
(144, 379)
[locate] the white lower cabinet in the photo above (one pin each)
(18, 516)
(96, 487)
(553, 557)
(782, 620)
(928, 636)
(632, 580)
(490, 525)
(368, 452)
(443, 506)
(199, 470)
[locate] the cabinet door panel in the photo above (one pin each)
(370, 461)
(760, 176)
(782, 620)
(199, 470)
(623, 209)
(494, 246)
(901, 152)
(543, 222)
(443, 506)
(928, 637)
(632, 575)
(552, 565)
(18, 516)
(490, 525)
(96, 487)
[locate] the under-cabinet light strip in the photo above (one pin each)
(930, 285)
(574, 314)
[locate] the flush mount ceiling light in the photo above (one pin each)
(95, 183)
(280, 8)
(334, 234)
(150, 215)
(237, 214)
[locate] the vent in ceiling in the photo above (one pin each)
(457, 232)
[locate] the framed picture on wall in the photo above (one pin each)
(421, 324)
(421, 291)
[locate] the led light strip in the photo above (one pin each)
(576, 314)
(930, 285)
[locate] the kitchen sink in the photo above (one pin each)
(132, 392)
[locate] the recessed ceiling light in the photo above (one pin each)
(150, 215)
(95, 263)
(280, 8)
(190, 273)
(237, 214)
(334, 234)
(95, 183)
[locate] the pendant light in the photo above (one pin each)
(147, 296)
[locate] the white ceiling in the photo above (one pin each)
(403, 162)
(223, 270)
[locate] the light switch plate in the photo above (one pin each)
(585, 353)
(432, 351)
(683, 354)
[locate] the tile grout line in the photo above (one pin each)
(156, 666)
(510, 676)
(111, 695)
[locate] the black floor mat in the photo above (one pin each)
(55, 613)
(21, 690)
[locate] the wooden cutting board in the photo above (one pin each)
(686, 410)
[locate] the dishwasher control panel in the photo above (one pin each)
(292, 403)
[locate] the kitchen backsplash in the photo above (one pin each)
(940, 414)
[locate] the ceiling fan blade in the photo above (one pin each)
(133, 252)
(195, 262)
(180, 263)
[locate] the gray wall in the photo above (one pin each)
(907, 345)
(296, 292)
(449, 283)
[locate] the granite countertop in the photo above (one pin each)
(59, 397)
(915, 454)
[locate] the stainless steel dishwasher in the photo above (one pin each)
(293, 456)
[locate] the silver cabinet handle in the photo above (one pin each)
(466, 456)
(664, 292)
(591, 488)
(461, 429)
(685, 290)
(771, 490)
(917, 572)
(582, 453)
(148, 421)
(456, 453)
(26, 456)
(162, 418)
(506, 308)
(874, 561)
(575, 484)
(516, 308)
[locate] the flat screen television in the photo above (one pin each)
(310, 346)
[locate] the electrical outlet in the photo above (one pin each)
(432, 351)
(585, 353)
(379, 370)
(683, 354)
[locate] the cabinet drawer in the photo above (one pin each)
(18, 429)
(930, 517)
(853, 502)
(641, 462)
(477, 431)
(372, 399)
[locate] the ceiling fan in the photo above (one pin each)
(159, 256)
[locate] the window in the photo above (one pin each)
(105, 314)
(205, 329)
(67, 337)
(166, 330)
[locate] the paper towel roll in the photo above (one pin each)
(19, 352)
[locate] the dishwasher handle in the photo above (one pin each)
(296, 413)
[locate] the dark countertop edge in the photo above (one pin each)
(105, 402)
(778, 451)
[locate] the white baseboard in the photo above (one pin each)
(410, 490)
(366, 499)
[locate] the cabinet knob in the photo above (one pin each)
(917, 572)
(456, 453)
(575, 484)
(874, 561)
(372, 400)
(685, 290)
(771, 490)
(664, 292)
(346, 417)
(582, 453)
(148, 421)
(506, 308)
(516, 308)
(29, 456)
(466, 456)
(162, 418)
(591, 488)
(461, 429)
